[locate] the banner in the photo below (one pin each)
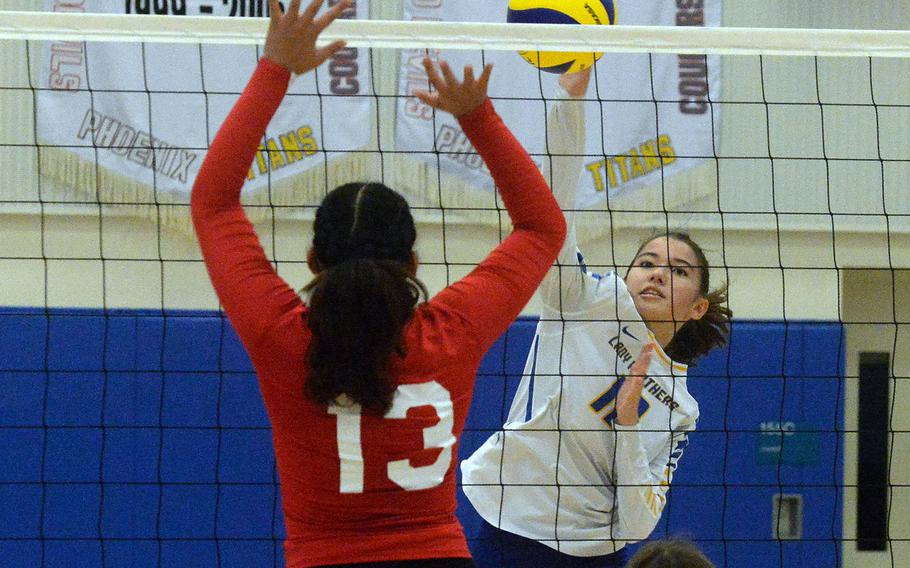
(146, 113)
(651, 114)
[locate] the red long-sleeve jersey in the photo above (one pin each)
(358, 487)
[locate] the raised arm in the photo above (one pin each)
(565, 285)
(494, 293)
(566, 146)
(252, 293)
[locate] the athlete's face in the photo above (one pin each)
(665, 283)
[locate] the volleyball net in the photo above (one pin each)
(131, 428)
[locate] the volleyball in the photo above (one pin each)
(585, 12)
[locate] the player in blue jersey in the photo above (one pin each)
(584, 461)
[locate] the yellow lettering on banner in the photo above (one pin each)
(291, 147)
(611, 173)
(288, 148)
(623, 170)
(260, 160)
(649, 152)
(666, 149)
(638, 169)
(594, 168)
(276, 160)
(307, 142)
(649, 156)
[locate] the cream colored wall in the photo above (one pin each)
(882, 297)
(129, 262)
(122, 261)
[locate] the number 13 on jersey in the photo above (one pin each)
(401, 472)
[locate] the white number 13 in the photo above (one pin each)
(350, 451)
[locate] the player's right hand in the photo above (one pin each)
(291, 41)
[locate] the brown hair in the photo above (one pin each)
(670, 553)
(698, 337)
(362, 296)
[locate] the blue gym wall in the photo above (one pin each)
(136, 439)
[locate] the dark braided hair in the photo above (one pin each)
(697, 337)
(362, 296)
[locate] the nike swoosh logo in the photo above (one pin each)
(625, 329)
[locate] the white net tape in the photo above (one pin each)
(463, 35)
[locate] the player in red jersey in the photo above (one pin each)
(367, 387)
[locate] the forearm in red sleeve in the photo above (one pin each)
(252, 294)
(494, 293)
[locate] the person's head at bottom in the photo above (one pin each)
(669, 553)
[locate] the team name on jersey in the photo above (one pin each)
(653, 387)
(622, 352)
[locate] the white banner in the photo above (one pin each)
(652, 111)
(149, 111)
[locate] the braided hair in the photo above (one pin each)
(362, 296)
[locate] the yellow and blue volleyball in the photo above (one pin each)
(585, 12)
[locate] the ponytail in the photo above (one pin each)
(697, 337)
(362, 296)
(357, 312)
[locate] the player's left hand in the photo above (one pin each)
(291, 40)
(630, 392)
(452, 95)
